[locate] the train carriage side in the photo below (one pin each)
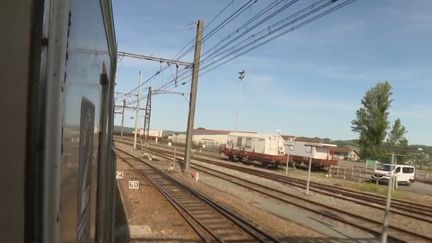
(58, 70)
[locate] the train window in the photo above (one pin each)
(398, 169)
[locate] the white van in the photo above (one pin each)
(405, 174)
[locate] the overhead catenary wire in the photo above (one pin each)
(139, 86)
(251, 20)
(206, 55)
(237, 33)
(278, 26)
(226, 21)
(283, 33)
(274, 33)
(262, 37)
(192, 44)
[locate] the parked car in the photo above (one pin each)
(404, 174)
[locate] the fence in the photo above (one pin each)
(361, 173)
(424, 176)
(352, 173)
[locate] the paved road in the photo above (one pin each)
(418, 187)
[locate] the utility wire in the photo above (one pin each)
(277, 26)
(139, 86)
(249, 21)
(266, 35)
(236, 34)
(275, 36)
(273, 32)
(269, 7)
(191, 42)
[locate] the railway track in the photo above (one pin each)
(211, 221)
(408, 209)
(396, 234)
(401, 207)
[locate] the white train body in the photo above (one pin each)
(259, 143)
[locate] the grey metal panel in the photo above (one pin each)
(14, 69)
(88, 53)
(56, 58)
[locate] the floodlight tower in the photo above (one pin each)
(241, 76)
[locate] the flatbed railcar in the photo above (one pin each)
(273, 150)
(57, 71)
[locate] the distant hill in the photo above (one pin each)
(353, 143)
(425, 148)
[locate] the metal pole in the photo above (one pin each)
(277, 146)
(388, 204)
(366, 167)
(309, 171)
(238, 105)
(287, 163)
(395, 183)
(137, 111)
(147, 116)
(124, 104)
(174, 158)
(193, 94)
(239, 98)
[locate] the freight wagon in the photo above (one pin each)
(272, 150)
(301, 151)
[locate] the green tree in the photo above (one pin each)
(372, 120)
(396, 137)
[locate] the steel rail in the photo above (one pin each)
(247, 227)
(333, 191)
(267, 191)
(396, 203)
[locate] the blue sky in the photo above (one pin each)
(306, 83)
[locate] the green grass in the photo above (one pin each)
(378, 189)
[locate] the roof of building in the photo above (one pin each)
(201, 131)
(346, 150)
(308, 140)
(288, 137)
